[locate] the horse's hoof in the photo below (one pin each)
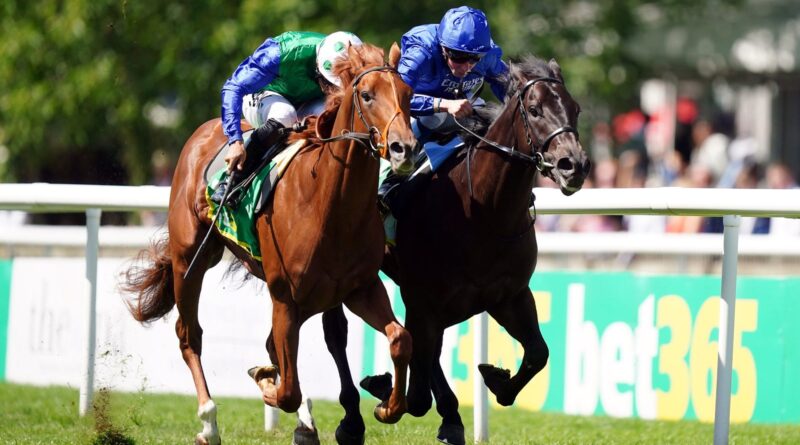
(380, 386)
(305, 436)
(383, 415)
(496, 379)
(201, 440)
(451, 434)
(263, 372)
(345, 438)
(266, 378)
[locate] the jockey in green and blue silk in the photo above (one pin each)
(447, 63)
(282, 81)
(288, 65)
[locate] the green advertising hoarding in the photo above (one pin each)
(5, 300)
(633, 345)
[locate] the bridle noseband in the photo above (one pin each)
(537, 157)
(378, 150)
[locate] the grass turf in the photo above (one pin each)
(49, 415)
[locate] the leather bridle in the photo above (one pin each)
(377, 149)
(537, 156)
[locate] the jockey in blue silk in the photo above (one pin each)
(284, 80)
(446, 64)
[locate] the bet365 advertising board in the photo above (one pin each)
(634, 345)
(621, 344)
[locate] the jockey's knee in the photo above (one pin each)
(259, 108)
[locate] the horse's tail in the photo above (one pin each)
(152, 286)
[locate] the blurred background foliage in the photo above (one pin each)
(91, 90)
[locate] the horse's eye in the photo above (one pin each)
(534, 111)
(365, 96)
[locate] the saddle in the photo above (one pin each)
(238, 223)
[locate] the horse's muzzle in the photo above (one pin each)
(401, 156)
(569, 172)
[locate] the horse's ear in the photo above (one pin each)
(324, 123)
(556, 69)
(345, 67)
(394, 55)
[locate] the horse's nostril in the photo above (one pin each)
(565, 164)
(396, 147)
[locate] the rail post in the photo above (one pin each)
(727, 307)
(92, 249)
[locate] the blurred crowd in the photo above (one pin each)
(634, 150)
(637, 150)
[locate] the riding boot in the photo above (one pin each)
(219, 194)
(262, 139)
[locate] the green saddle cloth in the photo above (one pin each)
(239, 224)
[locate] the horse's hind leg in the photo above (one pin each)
(190, 334)
(451, 431)
(372, 305)
(351, 429)
(518, 316)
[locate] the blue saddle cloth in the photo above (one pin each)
(438, 153)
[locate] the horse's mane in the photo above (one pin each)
(347, 68)
(528, 67)
(479, 122)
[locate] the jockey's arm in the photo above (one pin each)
(251, 76)
(413, 60)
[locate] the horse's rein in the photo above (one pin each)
(379, 149)
(537, 158)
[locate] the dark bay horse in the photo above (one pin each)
(321, 237)
(466, 244)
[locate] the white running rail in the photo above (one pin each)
(728, 203)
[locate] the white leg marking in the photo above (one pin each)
(208, 415)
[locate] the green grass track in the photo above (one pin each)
(49, 415)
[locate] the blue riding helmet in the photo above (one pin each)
(465, 29)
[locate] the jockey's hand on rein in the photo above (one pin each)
(457, 107)
(235, 157)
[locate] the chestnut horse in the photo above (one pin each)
(466, 244)
(321, 237)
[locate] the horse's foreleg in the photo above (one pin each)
(518, 316)
(351, 428)
(372, 305)
(266, 377)
(421, 366)
(286, 339)
(273, 356)
(451, 431)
